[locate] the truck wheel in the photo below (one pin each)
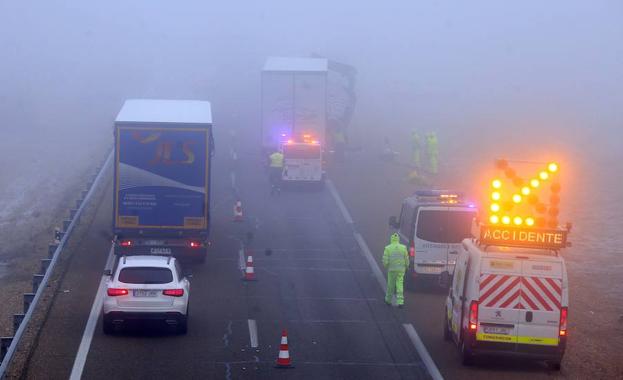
(447, 335)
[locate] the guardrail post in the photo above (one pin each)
(28, 297)
(78, 203)
(51, 249)
(45, 264)
(17, 320)
(66, 224)
(36, 281)
(72, 213)
(84, 194)
(5, 342)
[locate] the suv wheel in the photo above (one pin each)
(108, 326)
(467, 358)
(182, 324)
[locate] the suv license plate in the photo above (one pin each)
(153, 242)
(496, 330)
(144, 293)
(160, 251)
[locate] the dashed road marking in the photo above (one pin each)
(419, 345)
(253, 333)
(415, 339)
(89, 330)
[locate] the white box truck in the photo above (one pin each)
(294, 100)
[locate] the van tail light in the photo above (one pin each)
(411, 250)
(125, 243)
(173, 292)
(114, 292)
(195, 244)
(473, 316)
(563, 322)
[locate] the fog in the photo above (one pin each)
(492, 78)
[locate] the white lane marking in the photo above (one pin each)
(339, 202)
(242, 263)
(370, 259)
(415, 339)
(87, 336)
(419, 345)
(253, 333)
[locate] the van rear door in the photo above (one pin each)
(541, 298)
(499, 300)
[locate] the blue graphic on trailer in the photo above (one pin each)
(162, 177)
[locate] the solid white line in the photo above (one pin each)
(242, 263)
(253, 333)
(415, 339)
(339, 202)
(370, 259)
(417, 342)
(87, 336)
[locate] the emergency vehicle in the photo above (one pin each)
(509, 294)
(302, 160)
(432, 224)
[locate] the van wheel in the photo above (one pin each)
(447, 336)
(467, 358)
(554, 365)
(410, 280)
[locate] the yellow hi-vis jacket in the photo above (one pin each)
(276, 160)
(395, 256)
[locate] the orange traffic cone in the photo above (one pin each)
(238, 211)
(249, 271)
(284, 360)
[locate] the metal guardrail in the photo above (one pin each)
(40, 281)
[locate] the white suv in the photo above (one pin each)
(146, 288)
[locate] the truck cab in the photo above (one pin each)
(432, 224)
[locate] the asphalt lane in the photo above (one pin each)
(312, 281)
(373, 190)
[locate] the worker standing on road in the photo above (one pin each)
(433, 151)
(415, 148)
(275, 171)
(396, 261)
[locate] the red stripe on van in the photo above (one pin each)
(511, 299)
(549, 294)
(501, 294)
(493, 288)
(486, 281)
(536, 294)
(554, 284)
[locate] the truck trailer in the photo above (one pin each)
(163, 151)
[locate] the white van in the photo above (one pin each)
(432, 224)
(508, 301)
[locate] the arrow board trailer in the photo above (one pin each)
(163, 150)
(294, 93)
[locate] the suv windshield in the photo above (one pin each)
(145, 275)
(439, 226)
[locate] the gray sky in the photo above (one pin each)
(496, 69)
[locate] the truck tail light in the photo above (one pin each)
(114, 292)
(195, 244)
(173, 292)
(473, 316)
(125, 243)
(412, 250)
(563, 322)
